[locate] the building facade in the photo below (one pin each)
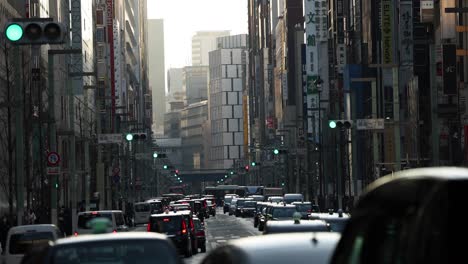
(202, 43)
(227, 68)
(195, 81)
(157, 70)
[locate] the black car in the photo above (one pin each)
(412, 216)
(178, 226)
(240, 204)
(248, 209)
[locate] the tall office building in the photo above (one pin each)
(202, 43)
(195, 80)
(227, 81)
(157, 70)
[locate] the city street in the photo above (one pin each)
(219, 230)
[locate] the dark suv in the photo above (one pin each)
(179, 227)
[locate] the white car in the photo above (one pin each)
(116, 218)
(21, 239)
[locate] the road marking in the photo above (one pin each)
(221, 241)
(219, 237)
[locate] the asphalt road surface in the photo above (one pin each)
(219, 230)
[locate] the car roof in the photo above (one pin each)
(286, 226)
(276, 248)
(37, 228)
(297, 202)
(172, 213)
(283, 205)
(100, 211)
(110, 237)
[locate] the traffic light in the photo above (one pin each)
(253, 163)
(157, 155)
(231, 172)
(278, 151)
(347, 124)
(35, 32)
(136, 136)
(177, 172)
(165, 166)
(246, 167)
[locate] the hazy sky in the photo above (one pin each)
(182, 18)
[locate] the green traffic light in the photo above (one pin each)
(276, 151)
(165, 167)
(129, 137)
(232, 173)
(56, 185)
(225, 176)
(332, 124)
(155, 155)
(253, 163)
(14, 32)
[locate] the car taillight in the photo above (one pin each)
(200, 233)
(115, 231)
(148, 227)
(309, 211)
(184, 227)
(76, 233)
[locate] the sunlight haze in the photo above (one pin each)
(182, 18)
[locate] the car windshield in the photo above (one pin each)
(283, 212)
(85, 218)
(166, 224)
(115, 251)
(23, 243)
(304, 207)
(250, 204)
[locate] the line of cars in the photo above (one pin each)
(398, 219)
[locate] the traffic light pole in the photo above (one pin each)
(19, 131)
(52, 126)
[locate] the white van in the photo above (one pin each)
(21, 239)
(115, 216)
(142, 212)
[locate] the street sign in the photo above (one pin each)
(53, 170)
(110, 138)
(370, 124)
(53, 159)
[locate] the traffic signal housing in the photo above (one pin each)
(135, 136)
(347, 124)
(35, 32)
(158, 155)
(279, 151)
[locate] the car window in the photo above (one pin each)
(283, 212)
(250, 204)
(304, 207)
(142, 208)
(85, 218)
(119, 219)
(24, 242)
(169, 224)
(115, 251)
(156, 207)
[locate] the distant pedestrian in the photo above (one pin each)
(31, 217)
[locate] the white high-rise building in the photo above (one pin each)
(202, 43)
(157, 70)
(227, 75)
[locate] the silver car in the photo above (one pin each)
(314, 248)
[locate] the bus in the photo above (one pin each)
(178, 189)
